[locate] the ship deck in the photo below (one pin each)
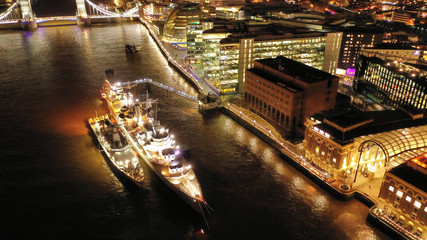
(123, 157)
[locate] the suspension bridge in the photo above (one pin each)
(20, 15)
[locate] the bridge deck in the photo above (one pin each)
(171, 89)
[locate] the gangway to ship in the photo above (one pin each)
(161, 85)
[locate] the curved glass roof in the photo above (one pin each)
(398, 141)
(405, 156)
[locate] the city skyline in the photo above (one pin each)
(338, 91)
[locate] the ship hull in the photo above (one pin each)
(112, 165)
(189, 200)
(194, 203)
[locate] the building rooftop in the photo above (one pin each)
(296, 69)
(346, 125)
(392, 46)
(274, 79)
(412, 175)
(262, 32)
(358, 29)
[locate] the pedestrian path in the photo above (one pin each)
(295, 152)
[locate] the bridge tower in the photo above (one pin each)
(82, 17)
(28, 20)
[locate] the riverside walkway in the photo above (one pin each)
(364, 189)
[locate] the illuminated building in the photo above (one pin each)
(406, 17)
(225, 60)
(229, 12)
(392, 83)
(211, 53)
(218, 3)
(286, 91)
(175, 28)
(351, 144)
(194, 42)
(394, 52)
(352, 41)
(403, 196)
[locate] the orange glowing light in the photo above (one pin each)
(420, 160)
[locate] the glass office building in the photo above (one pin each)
(225, 60)
(392, 83)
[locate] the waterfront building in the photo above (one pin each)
(244, 44)
(403, 196)
(285, 91)
(348, 144)
(175, 28)
(211, 53)
(353, 39)
(229, 12)
(157, 11)
(194, 42)
(392, 83)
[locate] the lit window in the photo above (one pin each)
(408, 198)
(323, 153)
(399, 193)
(391, 188)
(334, 160)
(425, 209)
(417, 204)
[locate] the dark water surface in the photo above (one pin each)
(55, 184)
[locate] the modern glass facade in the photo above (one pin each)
(309, 51)
(237, 55)
(392, 83)
(194, 42)
(211, 57)
(175, 28)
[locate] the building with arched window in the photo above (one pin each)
(403, 198)
(351, 143)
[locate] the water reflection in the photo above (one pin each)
(51, 81)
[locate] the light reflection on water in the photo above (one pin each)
(51, 80)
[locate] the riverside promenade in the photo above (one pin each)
(177, 59)
(363, 189)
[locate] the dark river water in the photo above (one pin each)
(55, 183)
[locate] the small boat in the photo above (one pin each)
(120, 153)
(132, 48)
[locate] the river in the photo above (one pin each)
(55, 183)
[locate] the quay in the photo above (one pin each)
(292, 154)
(364, 191)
